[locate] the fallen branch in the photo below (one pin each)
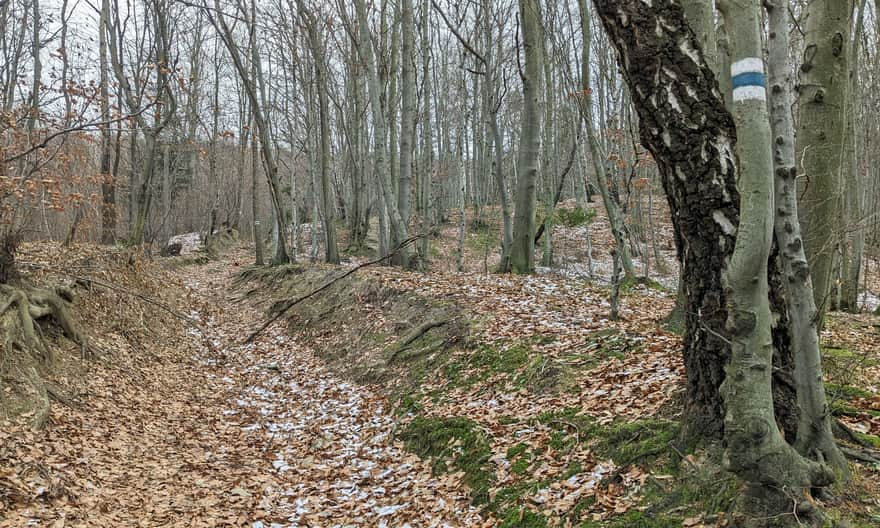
(290, 304)
(62, 398)
(120, 289)
(414, 336)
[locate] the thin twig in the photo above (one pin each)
(290, 304)
(119, 289)
(85, 126)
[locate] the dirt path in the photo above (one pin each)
(257, 435)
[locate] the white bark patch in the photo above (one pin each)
(667, 139)
(690, 91)
(747, 65)
(722, 146)
(722, 221)
(666, 25)
(685, 46)
(680, 174)
(669, 73)
(673, 101)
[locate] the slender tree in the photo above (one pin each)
(522, 256)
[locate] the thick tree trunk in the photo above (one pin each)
(681, 113)
(728, 340)
(522, 255)
(823, 95)
(407, 120)
(757, 451)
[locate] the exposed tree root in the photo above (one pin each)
(33, 304)
(869, 456)
(24, 313)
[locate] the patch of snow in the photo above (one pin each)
(189, 242)
(390, 510)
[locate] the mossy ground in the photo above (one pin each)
(445, 367)
(453, 444)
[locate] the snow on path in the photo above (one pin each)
(330, 443)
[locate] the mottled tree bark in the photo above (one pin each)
(407, 120)
(724, 237)
(681, 113)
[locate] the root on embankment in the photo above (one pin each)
(26, 314)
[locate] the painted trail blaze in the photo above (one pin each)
(748, 79)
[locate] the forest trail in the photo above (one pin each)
(532, 405)
(253, 435)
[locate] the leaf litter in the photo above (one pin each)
(185, 426)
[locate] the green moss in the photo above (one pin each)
(603, 345)
(642, 441)
(573, 469)
(580, 509)
(523, 517)
(520, 459)
(841, 408)
(409, 404)
(478, 364)
(842, 360)
(869, 438)
(845, 392)
(507, 420)
(834, 519)
(635, 519)
(835, 352)
(508, 501)
(521, 465)
(570, 421)
(453, 444)
(516, 450)
(543, 374)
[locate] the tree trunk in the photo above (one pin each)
(331, 250)
(814, 426)
(597, 156)
(728, 341)
(108, 180)
(407, 119)
(380, 166)
(680, 113)
(853, 219)
(522, 255)
(823, 94)
(255, 202)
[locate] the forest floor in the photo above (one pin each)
(391, 398)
